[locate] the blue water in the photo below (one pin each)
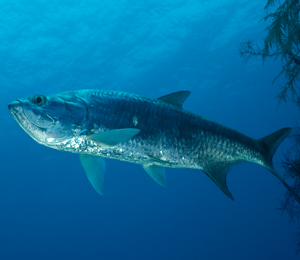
(49, 210)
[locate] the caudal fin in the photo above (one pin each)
(271, 143)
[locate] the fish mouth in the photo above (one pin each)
(14, 105)
(17, 111)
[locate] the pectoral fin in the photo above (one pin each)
(157, 173)
(113, 137)
(94, 168)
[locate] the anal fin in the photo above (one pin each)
(217, 171)
(157, 173)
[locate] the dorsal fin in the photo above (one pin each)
(176, 98)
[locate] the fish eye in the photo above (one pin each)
(39, 100)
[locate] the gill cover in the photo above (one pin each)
(35, 114)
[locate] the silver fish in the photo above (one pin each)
(155, 133)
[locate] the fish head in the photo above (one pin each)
(50, 119)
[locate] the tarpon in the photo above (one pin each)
(155, 133)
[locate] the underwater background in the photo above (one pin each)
(48, 208)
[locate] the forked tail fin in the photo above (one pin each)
(271, 143)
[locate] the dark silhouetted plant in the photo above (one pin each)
(282, 41)
(291, 165)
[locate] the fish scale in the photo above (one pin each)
(156, 122)
(155, 133)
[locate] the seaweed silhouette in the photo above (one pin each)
(291, 164)
(283, 41)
